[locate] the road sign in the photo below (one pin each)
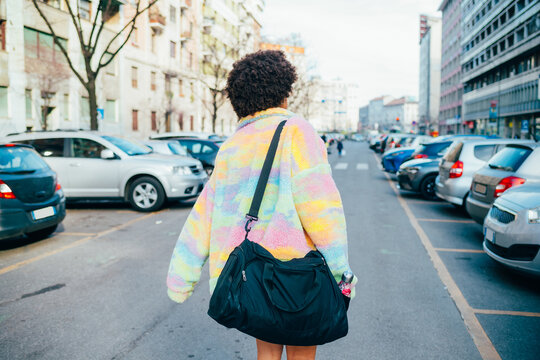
(100, 114)
(524, 126)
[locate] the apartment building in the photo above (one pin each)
(338, 103)
(430, 73)
(376, 114)
(402, 113)
(153, 85)
(451, 86)
(501, 67)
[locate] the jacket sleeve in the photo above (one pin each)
(192, 248)
(317, 199)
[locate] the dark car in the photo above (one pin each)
(31, 200)
(418, 175)
(203, 150)
(514, 165)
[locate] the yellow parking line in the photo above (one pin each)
(506, 312)
(74, 234)
(481, 340)
(449, 221)
(73, 244)
(461, 250)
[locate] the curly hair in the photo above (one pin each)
(259, 81)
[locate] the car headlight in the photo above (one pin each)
(534, 216)
(181, 170)
(411, 170)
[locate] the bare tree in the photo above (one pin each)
(302, 99)
(95, 56)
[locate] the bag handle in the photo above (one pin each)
(268, 283)
(253, 213)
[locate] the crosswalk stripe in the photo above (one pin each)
(341, 166)
(362, 166)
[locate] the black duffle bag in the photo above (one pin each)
(295, 302)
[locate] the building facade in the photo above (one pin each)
(430, 73)
(363, 117)
(154, 84)
(377, 118)
(451, 86)
(402, 113)
(501, 67)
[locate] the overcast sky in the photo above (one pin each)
(372, 43)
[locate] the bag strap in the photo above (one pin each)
(253, 213)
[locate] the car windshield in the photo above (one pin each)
(18, 160)
(509, 158)
(176, 148)
(130, 147)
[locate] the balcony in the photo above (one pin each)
(157, 22)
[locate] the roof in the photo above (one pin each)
(399, 101)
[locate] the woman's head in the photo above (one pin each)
(260, 81)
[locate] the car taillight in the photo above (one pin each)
(456, 170)
(420, 156)
(58, 187)
(507, 183)
(5, 191)
(398, 145)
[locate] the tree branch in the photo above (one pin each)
(57, 42)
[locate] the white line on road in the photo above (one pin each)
(341, 166)
(362, 166)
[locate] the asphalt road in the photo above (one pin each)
(96, 288)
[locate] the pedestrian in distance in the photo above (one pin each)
(340, 147)
(303, 211)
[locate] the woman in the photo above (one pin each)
(301, 209)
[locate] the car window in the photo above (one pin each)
(510, 158)
(130, 147)
(49, 147)
(16, 159)
(437, 148)
(207, 149)
(176, 148)
(86, 148)
(196, 148)
(483, 152)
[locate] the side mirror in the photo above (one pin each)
(107, 154)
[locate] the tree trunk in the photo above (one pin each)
(214, 112)
(92, 99)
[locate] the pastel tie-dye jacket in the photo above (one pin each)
(301, 208)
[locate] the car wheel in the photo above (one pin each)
(146, 194)
(43, 233)
(427, 187)
(209, 170)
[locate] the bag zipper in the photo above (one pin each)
(244, 275)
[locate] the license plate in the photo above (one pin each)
(490, 235)
(43, 213)
(480, 188)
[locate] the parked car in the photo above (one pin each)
(399, 140)
(463, 159)
(203, 150)
(438, 146)
(419, 175)
(31, 199)
(392, 159)
(91, 165)
(186, 134)
(512, 166)
(512, 229)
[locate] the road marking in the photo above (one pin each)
(74, 234)
(74, 244)
(362, 166)
(506, 312)
(449, 221)
(341, 166)
(461, 250)
(481, 340)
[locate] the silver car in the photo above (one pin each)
(92, 165)
(512, 229)
(463, 159)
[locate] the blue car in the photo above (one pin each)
(392, 159)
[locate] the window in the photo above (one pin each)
(173, 49)
(110, 111)
(511, 40)
(503, 19)
(511, 12)
(135, 120)
(39, 45)
(111, 68)
(520, 5)
(134, 77)
(85, 109)
(49, 147)
(135, 37)
(190, 57)
(180, 87)
(181, 121)
(153, 80)
(153, 42)
(168, 84)
(28, 103)
(153, 119)
(85, 9)
(86, 148)
(483, 152)
(172, 14)
(3, 101)
(2, 34)
(65, 109)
